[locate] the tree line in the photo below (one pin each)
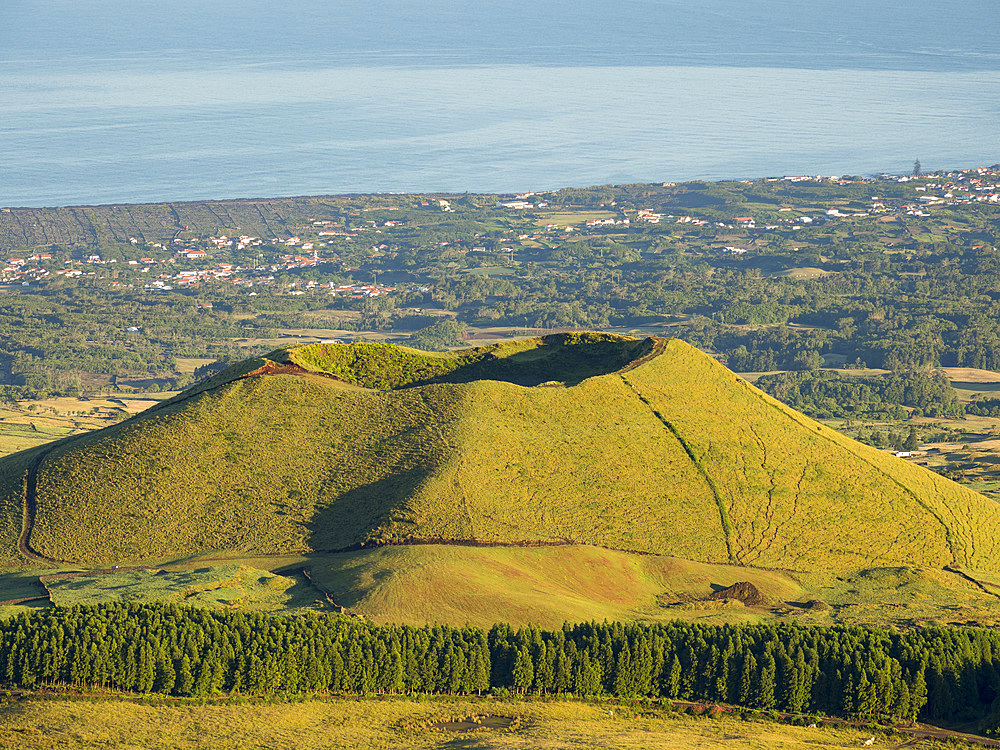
(826, 394)
(170, 649)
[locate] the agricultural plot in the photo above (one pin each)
(29, 424)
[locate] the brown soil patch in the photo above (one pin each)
(273, 368)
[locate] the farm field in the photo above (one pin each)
(28, 424)
(367, 723)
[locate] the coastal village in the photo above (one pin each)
(251, 262)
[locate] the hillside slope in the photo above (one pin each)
(644, 445)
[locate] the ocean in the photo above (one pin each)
(106, 101)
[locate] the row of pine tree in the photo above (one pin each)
(169, 649)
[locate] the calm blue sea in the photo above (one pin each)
(141, 100)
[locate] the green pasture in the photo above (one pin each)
(213, 586)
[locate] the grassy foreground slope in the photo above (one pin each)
(648, 446)
(428, 583)
(403, 724)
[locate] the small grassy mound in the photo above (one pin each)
(428, 583)
(741, 591)
(380, 366)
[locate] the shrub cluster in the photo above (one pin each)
(828, 394)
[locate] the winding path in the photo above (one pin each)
(29, 510)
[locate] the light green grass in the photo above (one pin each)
(216, 586)
(422, 584)
(804, 273)
(13, 471)
(345, 723)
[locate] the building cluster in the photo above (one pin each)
(24, 270)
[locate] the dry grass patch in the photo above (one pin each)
(187, 365)
(349, 724)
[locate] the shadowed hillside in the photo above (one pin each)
(643, 445)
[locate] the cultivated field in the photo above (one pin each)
(28, 424)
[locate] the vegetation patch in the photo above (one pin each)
(475, 723)
(826, 394)
(181, 651)
(563, 358)
(360, 724)
(217, 586)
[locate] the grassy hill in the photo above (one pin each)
(642, 445)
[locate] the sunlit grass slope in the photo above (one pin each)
(427, 583)
(13, 474)
(228, 586)
(798, 494)
(645, 445)
(346, 723)
(262, 464)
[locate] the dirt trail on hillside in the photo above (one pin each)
(29, 510)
